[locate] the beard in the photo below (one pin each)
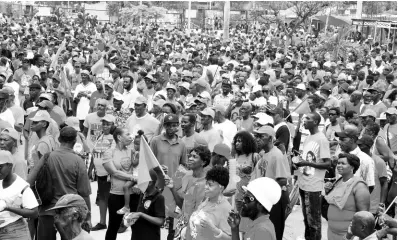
(248, 212)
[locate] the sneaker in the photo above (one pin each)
(98, 227)
(123, 211)
(122, 229)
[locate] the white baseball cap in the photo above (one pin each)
(266, 198)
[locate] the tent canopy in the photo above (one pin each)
(333, 21)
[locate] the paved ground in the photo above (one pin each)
(294, 229)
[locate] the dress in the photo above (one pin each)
(342, 208)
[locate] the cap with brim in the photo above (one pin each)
(11, 132)
(369, 113)
(141, 100)
(301, 86)
(41, 115)
(109, 118)
(85, 72)
(391, 111)
(170, 86)
(73, 122)
(200, 100)
(223, 150)
(171, 118)
(47, 96)
(349, 132)
(159, 102)
(366, 139)
(6, 157)
(117, 96)
(102, 101)
(208, 112)
(265, 130)
(9, 90)
(219, 108)
(46, 104)
(69, 200)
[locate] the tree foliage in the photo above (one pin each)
(132, 12)
(338, 45)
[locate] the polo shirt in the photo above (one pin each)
(169, 153)
(260, 229)
(153, 206)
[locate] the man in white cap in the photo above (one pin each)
(226, 128)
(47, 143)
(257, 206)
(209, 133)
(82, 96)
(273, 164)
(9, 138)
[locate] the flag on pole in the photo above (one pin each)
(98, 67)
(147, 162)
(303, 108)
(54, 62)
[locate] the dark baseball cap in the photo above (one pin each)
(350, 131)
(69, 200)
(365, 139)
(171, 118)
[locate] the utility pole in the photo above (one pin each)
(189, 16)
(227, 7)
(140, 13)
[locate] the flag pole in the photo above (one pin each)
(161, 169)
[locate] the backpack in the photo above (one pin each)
(44, 183)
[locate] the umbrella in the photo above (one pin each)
(333, 21)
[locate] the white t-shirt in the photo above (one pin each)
(84, 104)
(8, 117)
(147, 123)
(12, 195)
(227, 130)
(212, 137)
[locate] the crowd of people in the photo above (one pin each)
(243, 128)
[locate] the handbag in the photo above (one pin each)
(325, 204)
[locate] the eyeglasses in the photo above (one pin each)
(248, 199)
(332, 114)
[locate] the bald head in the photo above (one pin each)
(363, 224)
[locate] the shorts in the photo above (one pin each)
(104, 187)
(15, 230)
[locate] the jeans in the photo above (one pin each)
(311, 206)
(116, 202)
(45, 228)
(17, 230)
(277, 214)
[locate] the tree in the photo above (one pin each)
(338, 45)
(132, 12)
(303, 12)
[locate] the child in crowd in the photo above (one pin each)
(135, 154)
(150, 214)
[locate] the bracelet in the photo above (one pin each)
(220, 234)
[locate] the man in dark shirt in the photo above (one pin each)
(34, 93)
(69, 176)
(282, 130)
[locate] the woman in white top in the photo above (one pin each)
(17, 201)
